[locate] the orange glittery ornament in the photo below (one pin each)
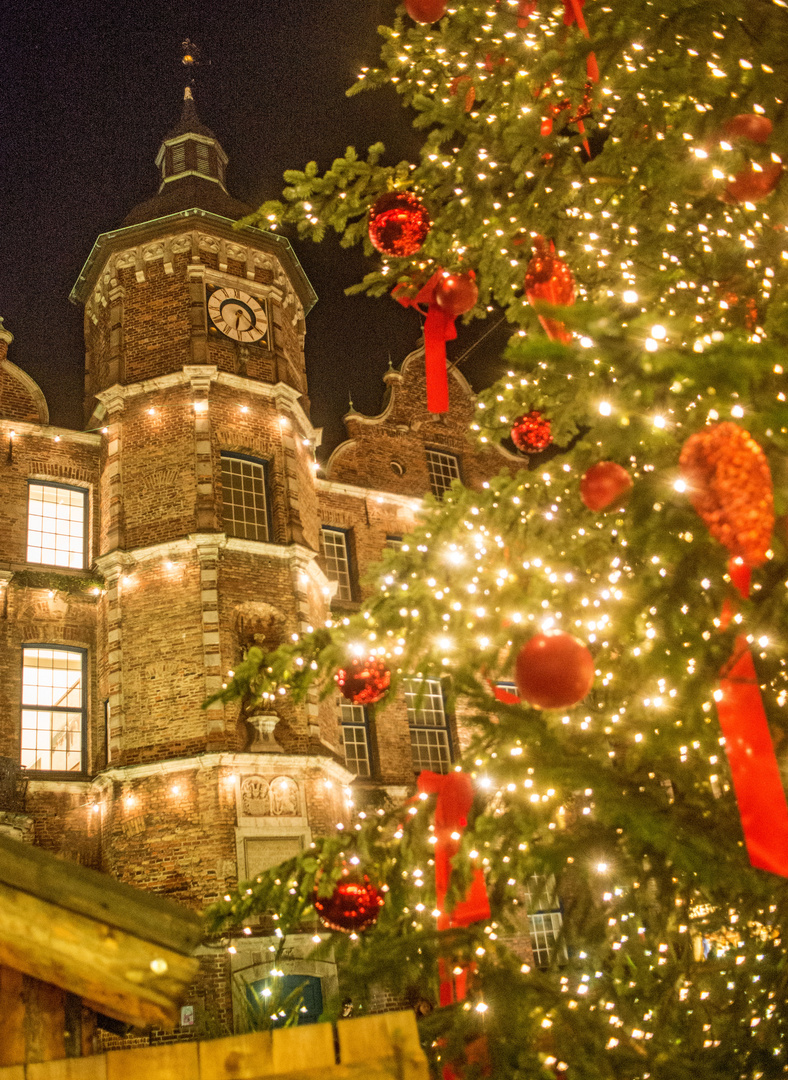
(731, 488)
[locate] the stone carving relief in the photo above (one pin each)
(255, 801)
(259, 624)
(284, 797)
(278, 799)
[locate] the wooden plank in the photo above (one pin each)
(131, 979)
(283, 1052)
(174, 1061)
(383, 1039)
(99, 896)
(12, 1017)
(45, 1020)
(85, 1068)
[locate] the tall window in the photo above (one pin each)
(203, 159)
(245, 503)
(336, 563)
(544, 918)
(56, 525)
(442, 469)
(355, 736)
(429, 734)
(53, 708)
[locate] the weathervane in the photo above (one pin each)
(191, 57)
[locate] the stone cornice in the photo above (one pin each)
(243, 762)
(336, 487)
(130, 236)
(44, 431)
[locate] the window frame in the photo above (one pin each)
(265, 466)
(446, 454)
(83, 710)
(416, 727)
(349, 563)
(545, 921)
(357, 725)
(84, 492)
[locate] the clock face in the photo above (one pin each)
(237, 315)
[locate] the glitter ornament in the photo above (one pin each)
(364, 681)
(353, 905)
(554, 671)
(730, 486)
(425, 11)
(750, 126)
(531, 433)
(398, 224)
(751, 185)
(603, 484)
(456, 293)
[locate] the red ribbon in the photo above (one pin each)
(454, 797)
(438, 329)
(748, 744)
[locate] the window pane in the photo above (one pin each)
(429, 737)
(244, 505)
(442, 469)
(56, 525)
(52, 709)
(544, 918)
(353, 719)
(333, 548)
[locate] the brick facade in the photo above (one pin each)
(173, 797)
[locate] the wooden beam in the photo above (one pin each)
(131, 979)
(99, 896)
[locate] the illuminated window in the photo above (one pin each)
(56, 525)
(336, 564)
(429, 734)
(355, 737)
(245, 503)
(442, 468)
(53, 708)
(545, 919)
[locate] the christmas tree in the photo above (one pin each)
(609, 177)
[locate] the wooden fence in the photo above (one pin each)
(381, 1047)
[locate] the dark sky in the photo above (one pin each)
(87, 92)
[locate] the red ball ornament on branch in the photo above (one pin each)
(603, 484)
(531, 433)
(364, 681)
(398, 224)
(751, 185)
(750, 126)
(730, 486)
(425, 11)
(353, 905)
(554, 671)
(456, 293)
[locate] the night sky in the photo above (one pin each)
(87, 94)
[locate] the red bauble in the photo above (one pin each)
(531, 433)
(425, 11)
(554, 670)
(730, 486)
(604, 483)
(398, 224)
(456, 293)
(750, 126)
(354, 904)
(751, 186)
(364, 681)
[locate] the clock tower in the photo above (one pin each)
(208, 532)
